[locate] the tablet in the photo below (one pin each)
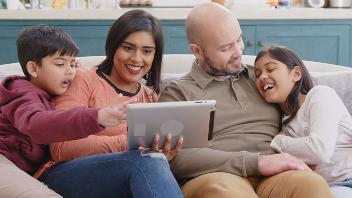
(194, 120)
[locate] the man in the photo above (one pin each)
(239, 161)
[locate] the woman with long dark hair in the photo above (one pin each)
(100, 166)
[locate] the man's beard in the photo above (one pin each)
(210, 68)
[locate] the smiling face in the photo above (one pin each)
(217, 41)
(274, 80)
(223, 50)
(132, 60)
(54, 74)
(224, 59)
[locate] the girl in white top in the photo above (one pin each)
(316, 125)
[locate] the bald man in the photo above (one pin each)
(239, 161)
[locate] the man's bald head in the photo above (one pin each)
(215, 39)
(206, 18)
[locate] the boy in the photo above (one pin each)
(28, 121)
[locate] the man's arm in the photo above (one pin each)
(191, 163)
(194, 162)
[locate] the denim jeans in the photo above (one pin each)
(125, 174)
(342, 189)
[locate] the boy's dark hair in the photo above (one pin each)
(37, 42)
(291, 60)
(130, 22)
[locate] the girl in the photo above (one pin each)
(99, 165)
(316, 125)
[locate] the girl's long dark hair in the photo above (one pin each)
(130, 22)
(291, 60)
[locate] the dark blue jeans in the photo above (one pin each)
(125, 174)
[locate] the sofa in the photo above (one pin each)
(176, 65)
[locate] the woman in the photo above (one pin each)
(134, 50)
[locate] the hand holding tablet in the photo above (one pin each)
(166, 149)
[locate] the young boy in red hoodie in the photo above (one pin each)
(28, 121)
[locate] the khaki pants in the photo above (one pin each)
(289, 184)
(15, 183)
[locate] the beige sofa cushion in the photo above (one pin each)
(174, 63)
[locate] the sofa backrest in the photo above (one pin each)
(176, 65)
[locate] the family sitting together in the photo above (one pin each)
(63, 126)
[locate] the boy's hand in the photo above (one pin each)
(111, 116)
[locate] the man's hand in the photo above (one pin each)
(273, 164)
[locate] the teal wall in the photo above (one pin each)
(327, 41)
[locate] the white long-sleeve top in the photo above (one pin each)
(320, 134)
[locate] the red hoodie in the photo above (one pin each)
(28, 123)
